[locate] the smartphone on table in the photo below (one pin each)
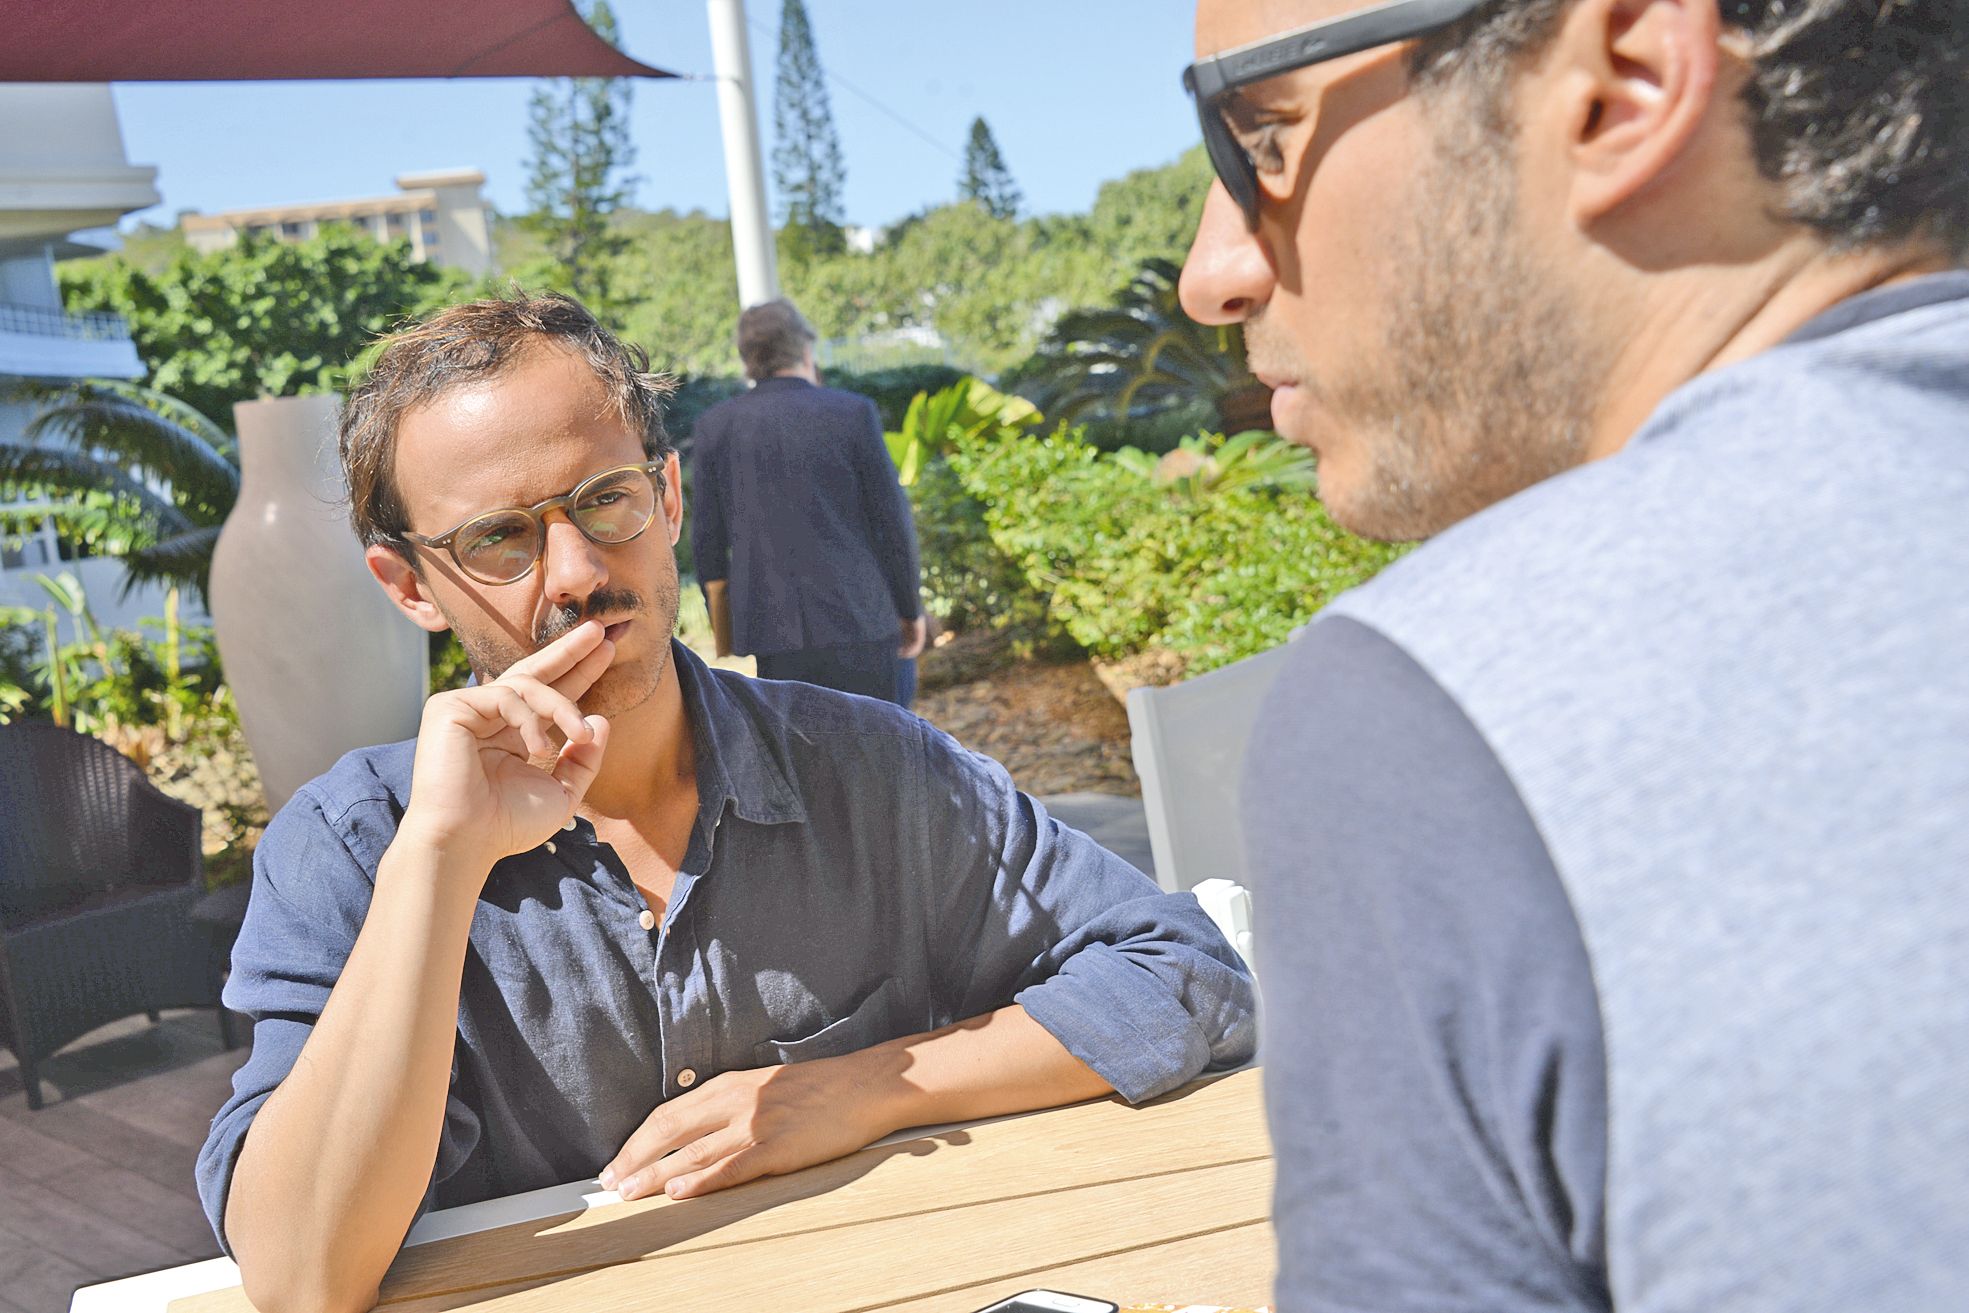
(1050, 1301)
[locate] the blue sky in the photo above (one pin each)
(1076, 91)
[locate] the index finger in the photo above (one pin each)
(673, 1125)
(561, 655)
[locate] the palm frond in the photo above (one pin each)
(144, 440)
(182, 413)
(144, 476)
(106, 524)
(1140, 356)
(77, 474)
(184, 560)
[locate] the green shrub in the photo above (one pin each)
(968, 581)
(449, 666)
(1212, 575)
(113, 683)
(892, 389)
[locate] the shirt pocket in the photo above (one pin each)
(872, 1022)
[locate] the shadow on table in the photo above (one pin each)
(529, 1255)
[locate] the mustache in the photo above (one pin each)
(602, 602)
(1267, 352)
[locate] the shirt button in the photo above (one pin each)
(550, 845)
(570, 824)
(686, 1078)
(647, 920)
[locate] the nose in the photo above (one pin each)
(572, 566)
(1228, 278)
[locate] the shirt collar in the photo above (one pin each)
(741, 745)
(779, 381)
(1880, 302)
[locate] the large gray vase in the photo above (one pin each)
(318, 658)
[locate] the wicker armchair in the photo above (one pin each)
(98, 875)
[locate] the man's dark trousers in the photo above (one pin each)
(865, 668)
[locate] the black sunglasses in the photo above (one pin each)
(1210, 80)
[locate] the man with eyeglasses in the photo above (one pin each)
(616, 912)
(1610, 848)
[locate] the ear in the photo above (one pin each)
(673, 496)
(1636, 80)
(405, 587)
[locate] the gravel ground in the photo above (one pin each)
(1056, 727)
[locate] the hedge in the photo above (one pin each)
(1129, 564)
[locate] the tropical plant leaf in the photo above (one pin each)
(184, 560)
(67, 591)
(178, 412)
(968, 409)
(58, 470)
(97, 419)
(1142, 356)
(131, 471)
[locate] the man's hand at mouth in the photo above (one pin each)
(501, 766)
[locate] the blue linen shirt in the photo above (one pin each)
(853, 876)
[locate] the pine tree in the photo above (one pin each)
(808, 172)
(985, 179)
(579, 130)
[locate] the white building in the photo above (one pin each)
(62, 172)
(442, 214)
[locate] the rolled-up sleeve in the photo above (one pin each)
(1137, 983)
(310, 895)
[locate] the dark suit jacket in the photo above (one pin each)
(794, 502)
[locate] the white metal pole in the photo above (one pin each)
(745, 175)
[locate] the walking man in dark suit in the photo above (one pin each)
(801, 534)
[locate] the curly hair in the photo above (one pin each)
(1858, 109)
(464, 344)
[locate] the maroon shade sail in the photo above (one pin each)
(251, 40)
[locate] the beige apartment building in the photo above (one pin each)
(442, 215)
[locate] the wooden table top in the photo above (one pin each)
(1167, 1203)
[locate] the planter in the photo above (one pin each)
(318, 659)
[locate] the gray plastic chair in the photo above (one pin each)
(1189, 745)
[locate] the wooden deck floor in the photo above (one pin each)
(98, 1183)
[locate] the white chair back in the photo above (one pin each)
(1189, 743)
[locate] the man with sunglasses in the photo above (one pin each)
(1610, 847)
(615, 912)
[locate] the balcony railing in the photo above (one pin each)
(42, 322)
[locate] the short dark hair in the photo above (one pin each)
(468, 343)
(1858, 109)
(772, 336)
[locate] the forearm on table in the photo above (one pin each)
(999, 1062)
(340, 1156)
